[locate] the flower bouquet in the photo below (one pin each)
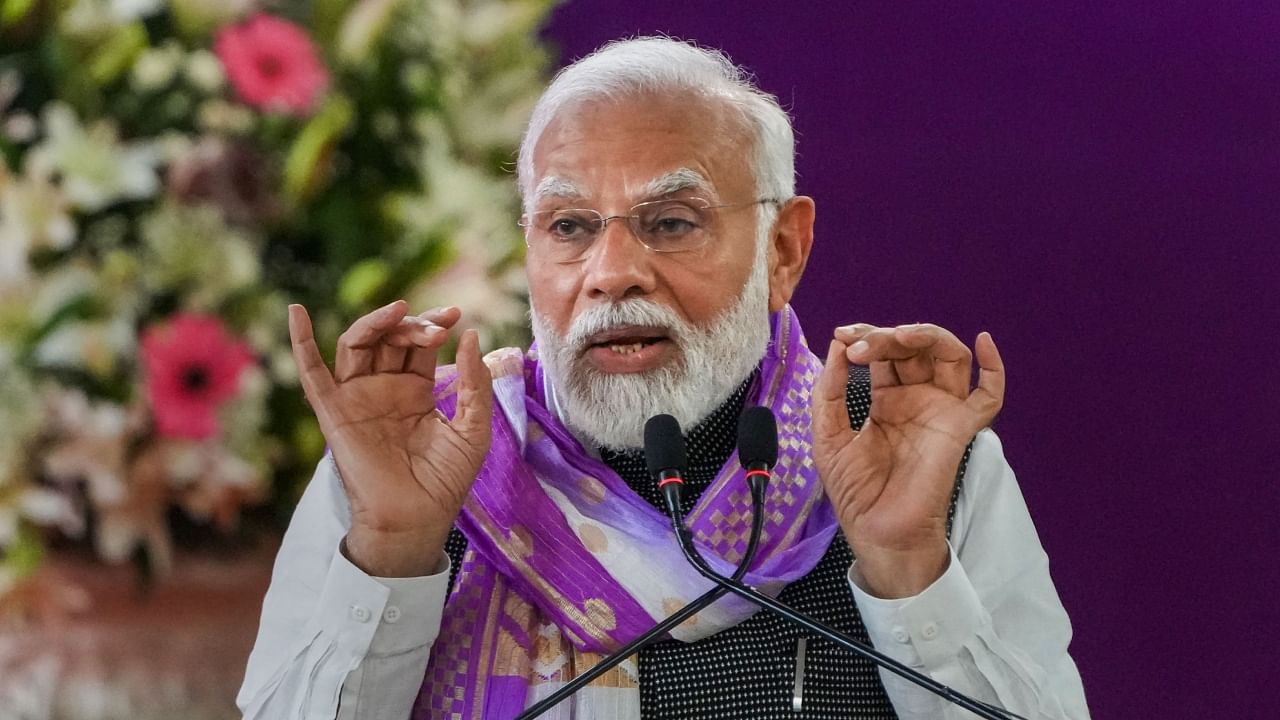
(173, 175)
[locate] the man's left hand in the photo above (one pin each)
(891, 481)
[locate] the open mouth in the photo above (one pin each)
(628, 348)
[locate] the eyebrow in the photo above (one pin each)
(555, 187)
(666, 184)
(674, 182)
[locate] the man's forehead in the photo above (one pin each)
(667, 183)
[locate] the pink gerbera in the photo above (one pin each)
(192, 365)
(272, 64)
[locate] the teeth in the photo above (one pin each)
(626, 349)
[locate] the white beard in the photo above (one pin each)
(610, 409)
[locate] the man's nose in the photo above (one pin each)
(619, 265)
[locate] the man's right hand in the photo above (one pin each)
(405, 467)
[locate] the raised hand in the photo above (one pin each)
(891, 481)
(406, 469)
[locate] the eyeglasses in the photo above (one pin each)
(664, 226)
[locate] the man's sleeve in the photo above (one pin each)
(334, 642)
(992, 627)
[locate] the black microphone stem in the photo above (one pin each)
(734, 586)
(671, 494)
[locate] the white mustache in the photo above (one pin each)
(631, 312)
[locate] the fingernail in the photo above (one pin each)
(859, 347)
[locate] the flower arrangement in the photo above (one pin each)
(174, 173)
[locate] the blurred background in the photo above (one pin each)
(1097, 184)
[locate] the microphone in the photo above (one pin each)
(666, 458)
(757, 446)
(758, 451)
(665, 454)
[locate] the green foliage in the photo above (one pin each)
(144, 179)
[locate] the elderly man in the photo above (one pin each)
(482, 533)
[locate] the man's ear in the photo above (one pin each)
(789, 247)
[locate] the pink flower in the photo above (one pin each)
(191, 366)
(272, 64)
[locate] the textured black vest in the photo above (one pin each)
(749, 671)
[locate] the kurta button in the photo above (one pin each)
(900, 634)
(360, 613)
(391, 614)
(929, 631)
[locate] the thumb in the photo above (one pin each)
(314, 375)
(475, 393)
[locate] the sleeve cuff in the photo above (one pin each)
(381, 616)
(926, 630)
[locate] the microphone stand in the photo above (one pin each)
(684, 613)
(735, 586)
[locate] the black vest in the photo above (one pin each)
(749, 670)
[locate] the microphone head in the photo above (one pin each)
(664, 445)
(757, 437)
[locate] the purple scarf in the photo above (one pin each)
(565, 562)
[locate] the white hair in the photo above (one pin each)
(610, 409)
(649, 65)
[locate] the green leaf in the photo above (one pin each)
(363, 282)
(304, 168)
(115, 56)
(13, 12)
(26, 552)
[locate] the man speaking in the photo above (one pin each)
(480, 534)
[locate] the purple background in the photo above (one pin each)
(1099, 187)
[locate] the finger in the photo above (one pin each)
(416, 331)
(475, 393)
(389, 358)
(421, 359)
(987, 399)
(317, 383)
(951, 361)
(906, 341)
(849, 334)
(356, 346)
(884, 375)
(445, 317)
(920, 353)
(830, 413)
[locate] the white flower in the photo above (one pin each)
(203, 16)
(182, 242)
(362, 26)
(204, 70)
(91, 446)
(127, 10)
(221, 116)
(156, 67)
(46, 507)
(97, 170)
(33, 214)
(20, 127)
(89, 17)
(95, 346)
(60, 286)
